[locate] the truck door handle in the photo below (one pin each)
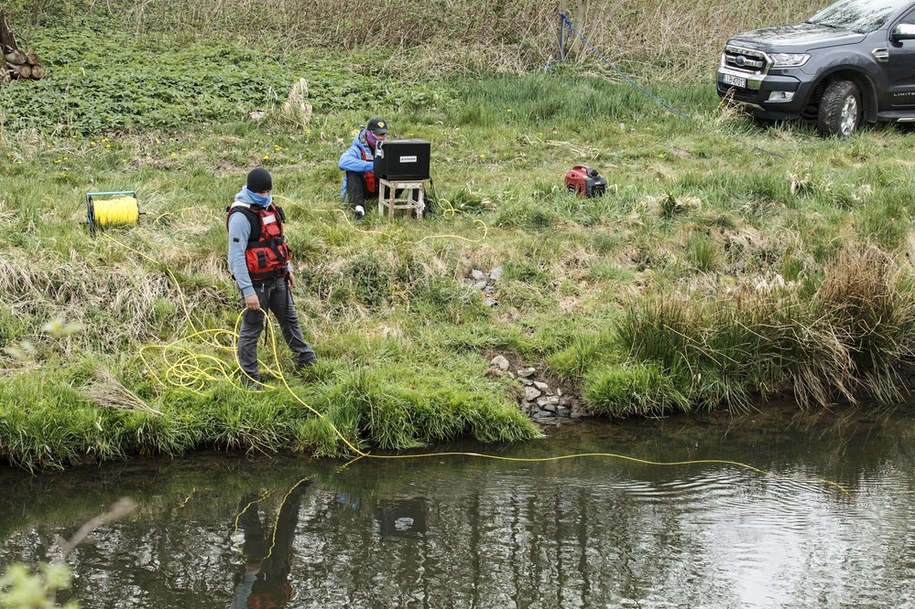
(881, 54)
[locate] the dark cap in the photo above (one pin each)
(259, 180)
(378, 126)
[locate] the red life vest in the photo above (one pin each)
(266, 254)
(271, 599)
(370, 183)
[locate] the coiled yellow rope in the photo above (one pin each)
(190, 369)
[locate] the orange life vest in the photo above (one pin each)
(266, 254)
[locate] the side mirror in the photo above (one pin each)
(903, 31)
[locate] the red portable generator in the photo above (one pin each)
(585, 181)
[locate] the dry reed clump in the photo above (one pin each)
(116, 305)
(21, 143)
(730, 116)
(853, 338)
(808, 351)
(296, 108)
(465, 58)
(800, 184)
(206, 263)
(862, 301)
(720, 351)
(745, 240)
(666, 206)
(385, 274)
(107, 391)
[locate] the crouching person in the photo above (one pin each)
(359, 181)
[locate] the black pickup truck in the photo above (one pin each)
(853, 61)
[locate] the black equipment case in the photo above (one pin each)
(402, 160)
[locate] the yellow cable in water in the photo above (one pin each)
(188, 366)
(363, 454)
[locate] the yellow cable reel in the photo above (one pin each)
(115, 208)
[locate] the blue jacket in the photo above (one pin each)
(352, 159)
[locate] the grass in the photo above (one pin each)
(432, 38)
(725, 265)
(851, 339)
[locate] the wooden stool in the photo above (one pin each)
(397, 194)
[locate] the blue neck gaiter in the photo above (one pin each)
(262, 200)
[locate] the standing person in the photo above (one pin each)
(359, 182)
(259, 261)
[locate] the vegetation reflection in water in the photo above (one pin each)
(464, 532)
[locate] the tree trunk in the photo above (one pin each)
(14, 57)
(7, 40)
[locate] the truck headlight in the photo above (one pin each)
(789, 60)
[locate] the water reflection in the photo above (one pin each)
(465, 532)
(264, 582)
(397, 517)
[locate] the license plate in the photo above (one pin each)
(734, 81)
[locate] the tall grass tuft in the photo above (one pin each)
(703, 253)
(586, 352)
(851, 340)
(620, 391)
(862, 301)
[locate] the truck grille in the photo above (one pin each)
(746, 60)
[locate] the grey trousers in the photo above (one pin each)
(275, 297)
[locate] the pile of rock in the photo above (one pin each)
(483, 281)
(540, 401)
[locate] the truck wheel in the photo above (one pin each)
(840, 109)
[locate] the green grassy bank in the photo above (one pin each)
(726, 265)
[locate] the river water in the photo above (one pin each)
(828, 523)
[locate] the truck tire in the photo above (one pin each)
(840, 109)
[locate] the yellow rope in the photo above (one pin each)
(363, 454)
(241, 513)
(186, 371)
(276, 519)
(447, 212)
